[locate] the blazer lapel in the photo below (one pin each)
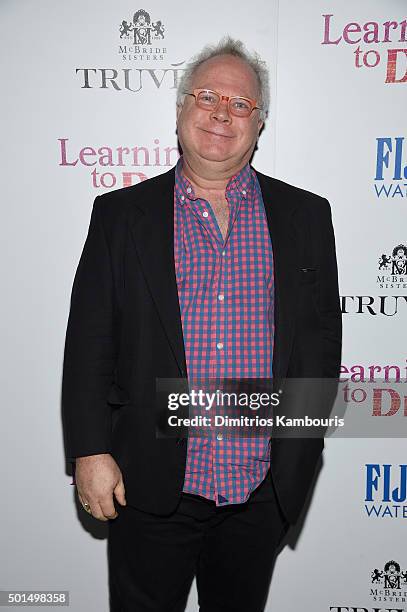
(152, 229)
(279, 211)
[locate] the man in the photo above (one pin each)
(191, 274)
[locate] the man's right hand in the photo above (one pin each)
(98, 478)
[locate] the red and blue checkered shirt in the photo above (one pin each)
(226, 297)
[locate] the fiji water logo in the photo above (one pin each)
(391, 169)
(386, 490)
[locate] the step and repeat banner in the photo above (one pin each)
(340, 122)
(89, 106)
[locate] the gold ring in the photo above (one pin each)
(87, 507)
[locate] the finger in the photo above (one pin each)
(107, 508)
(119, 492)
(82, 499)
(93, 508)
(97, 512)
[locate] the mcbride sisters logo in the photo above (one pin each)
(144, 37)
(392, 268)
(142, 48)
(391, 277)
(388, 590)
(390, 583)
(374, 44)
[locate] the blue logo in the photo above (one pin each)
(391, 170)
(386, 490)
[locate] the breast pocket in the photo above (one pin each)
(309, 291)
(308, 275)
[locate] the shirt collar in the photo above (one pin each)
(241, 184)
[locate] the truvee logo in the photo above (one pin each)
(374, 305)
(391, 277)
(142, 50)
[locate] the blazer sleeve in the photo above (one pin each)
(329, 298)
(90, 347)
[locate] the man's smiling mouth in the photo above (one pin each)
(216, 133)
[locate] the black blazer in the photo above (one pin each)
(124, 331)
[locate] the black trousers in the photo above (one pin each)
(231, 550)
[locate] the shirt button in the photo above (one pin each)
(219, 437)
(223, 253)
(244, 192)
(221, 297)
(182, 198)
(189, 189)
(219, 345)
(205, 213)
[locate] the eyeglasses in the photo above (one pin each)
(209, 100)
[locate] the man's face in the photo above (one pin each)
(218, 136)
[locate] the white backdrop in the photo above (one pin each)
(59, 108)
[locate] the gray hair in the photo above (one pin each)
(228, 46)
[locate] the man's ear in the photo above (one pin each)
(179, 109)
(259, 127)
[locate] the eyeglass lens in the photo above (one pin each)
(209, 100)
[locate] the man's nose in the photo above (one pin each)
(222, 113)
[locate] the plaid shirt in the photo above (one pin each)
(226, 296)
